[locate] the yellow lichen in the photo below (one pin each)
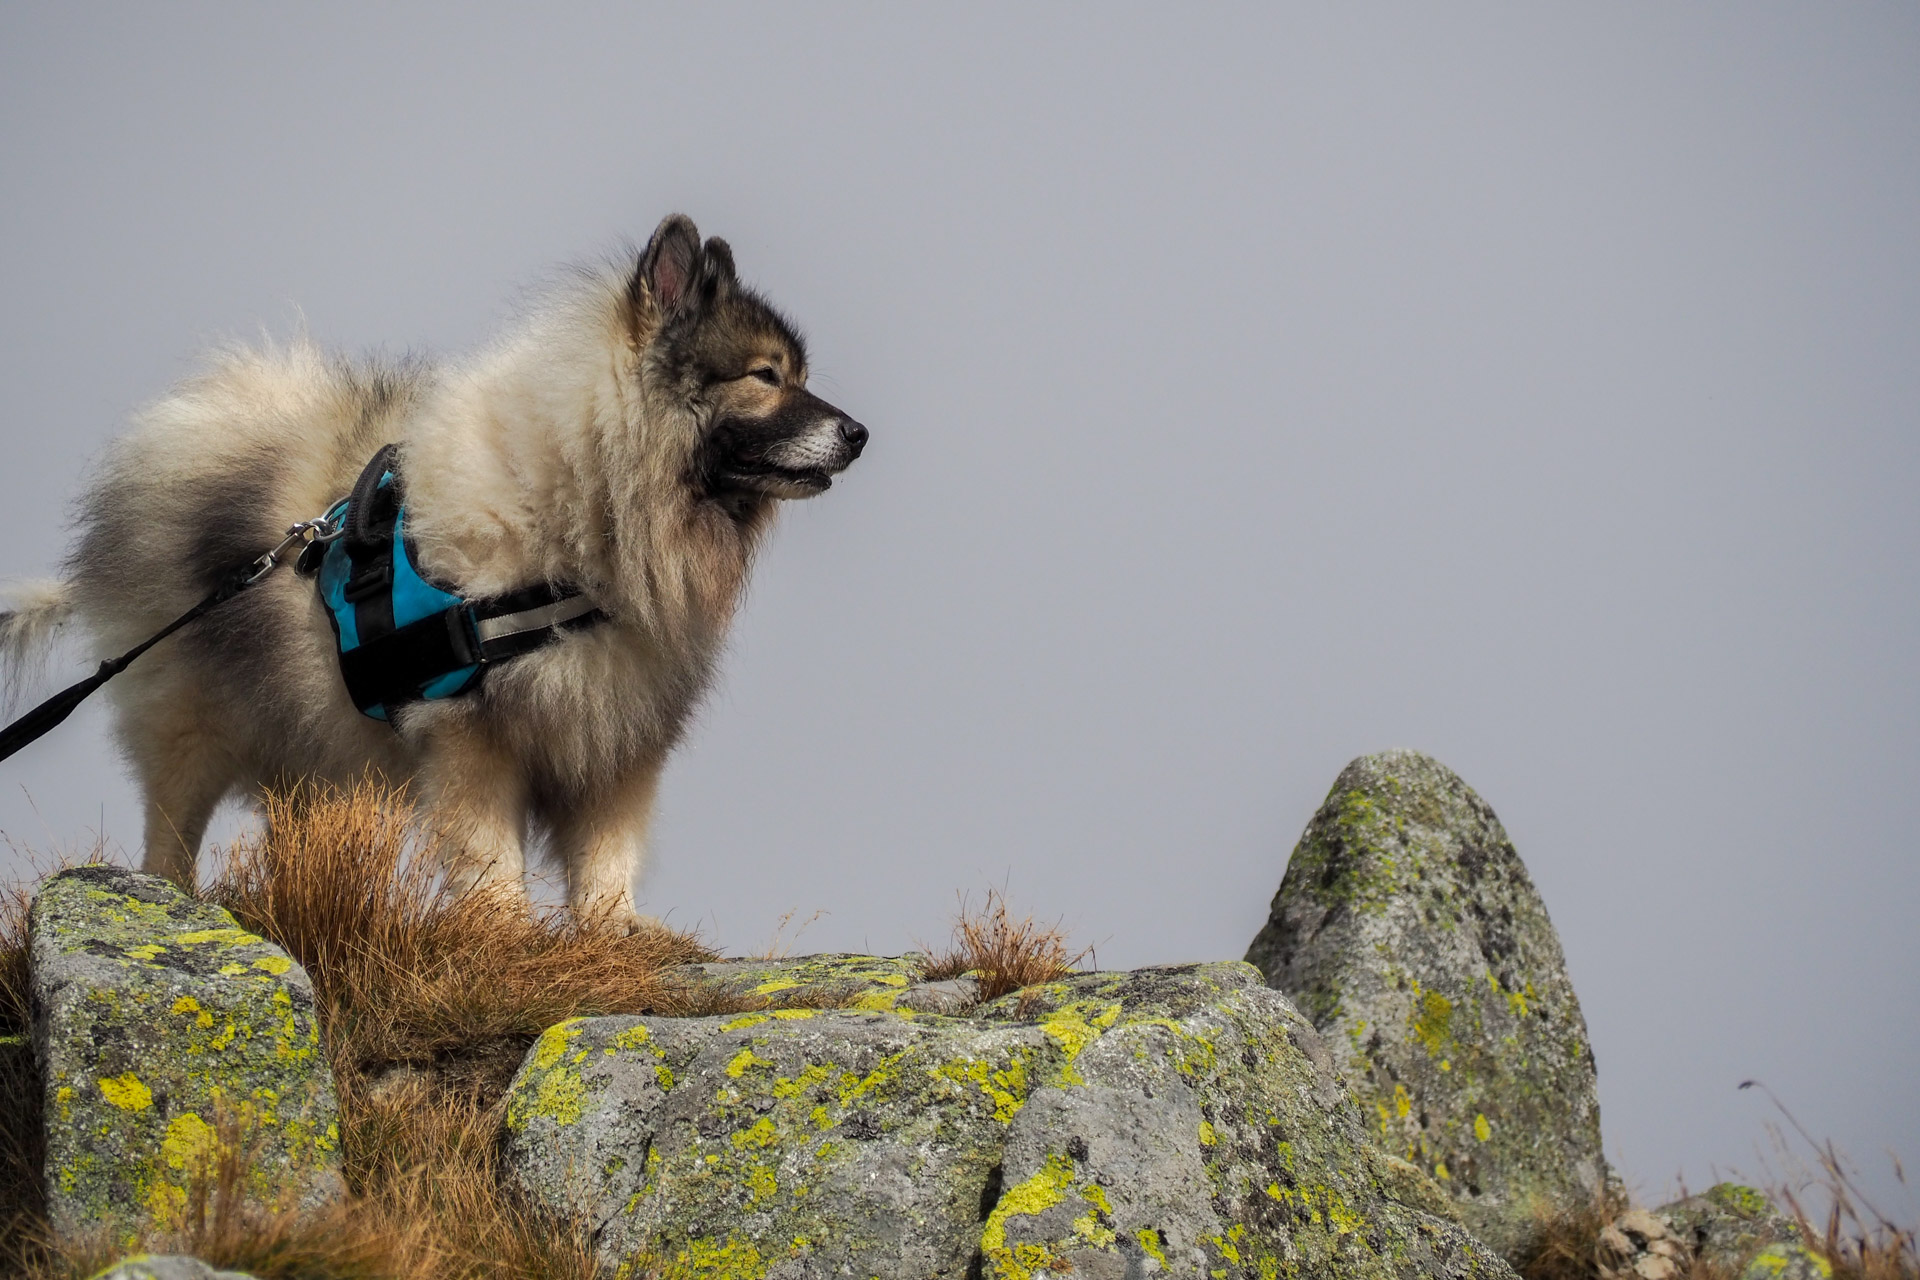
(762, 1134)
(745, 1061)
(793, 1086)
(728, 1260)
(187, 1004)
(1030, 1198)
(852, 1087)
(126, 1092)
(1481, 1129)
(553, 1043)
(1071, 1028)
(1432, 1020)
(634, 1037)
(225, 937)
(558, 1092)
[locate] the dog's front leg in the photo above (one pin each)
(475, 800)
(603, 843)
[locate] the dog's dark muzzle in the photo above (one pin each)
(854, 434)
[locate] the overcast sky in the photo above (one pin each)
(1535, 386)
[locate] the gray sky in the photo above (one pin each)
(1535, 386)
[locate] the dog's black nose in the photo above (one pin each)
(853, 433)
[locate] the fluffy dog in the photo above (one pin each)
(630, 439)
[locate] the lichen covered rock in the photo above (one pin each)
(850, 981)
(164, 1033)
(166, 1266)
(1720, 1230)
(1639, 1245)
(1725, 1225)
(1184, 1121)
(1788, 1261)
(1408, 930)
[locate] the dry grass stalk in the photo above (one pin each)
(1855, 1236)
(1005, 953)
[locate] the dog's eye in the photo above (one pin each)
(766, 374)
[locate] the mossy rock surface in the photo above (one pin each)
(1406, 927)
(1727, 1224)
(166, 1266)
(164, 1033)
(834, 979)
(1183, 1121)
(1787, 1261)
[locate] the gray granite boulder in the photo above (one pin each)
(165, 1035)
(1408, 930)
(1183, 1121)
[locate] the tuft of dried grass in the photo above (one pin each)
(1005, 953)
(1563, 1246)
(406, 972)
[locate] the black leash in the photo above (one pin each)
(43, 718)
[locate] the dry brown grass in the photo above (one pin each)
(406, 973)
(1005, 953)
(1563, 1247)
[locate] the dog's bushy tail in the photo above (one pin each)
(31, 615)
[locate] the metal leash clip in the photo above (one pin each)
(308, 533)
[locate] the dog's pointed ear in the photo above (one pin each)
(719, 262)
(663, 280)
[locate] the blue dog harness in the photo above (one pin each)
(402, 638)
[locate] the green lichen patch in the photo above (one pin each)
(167, 1036)
(1408, 929)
